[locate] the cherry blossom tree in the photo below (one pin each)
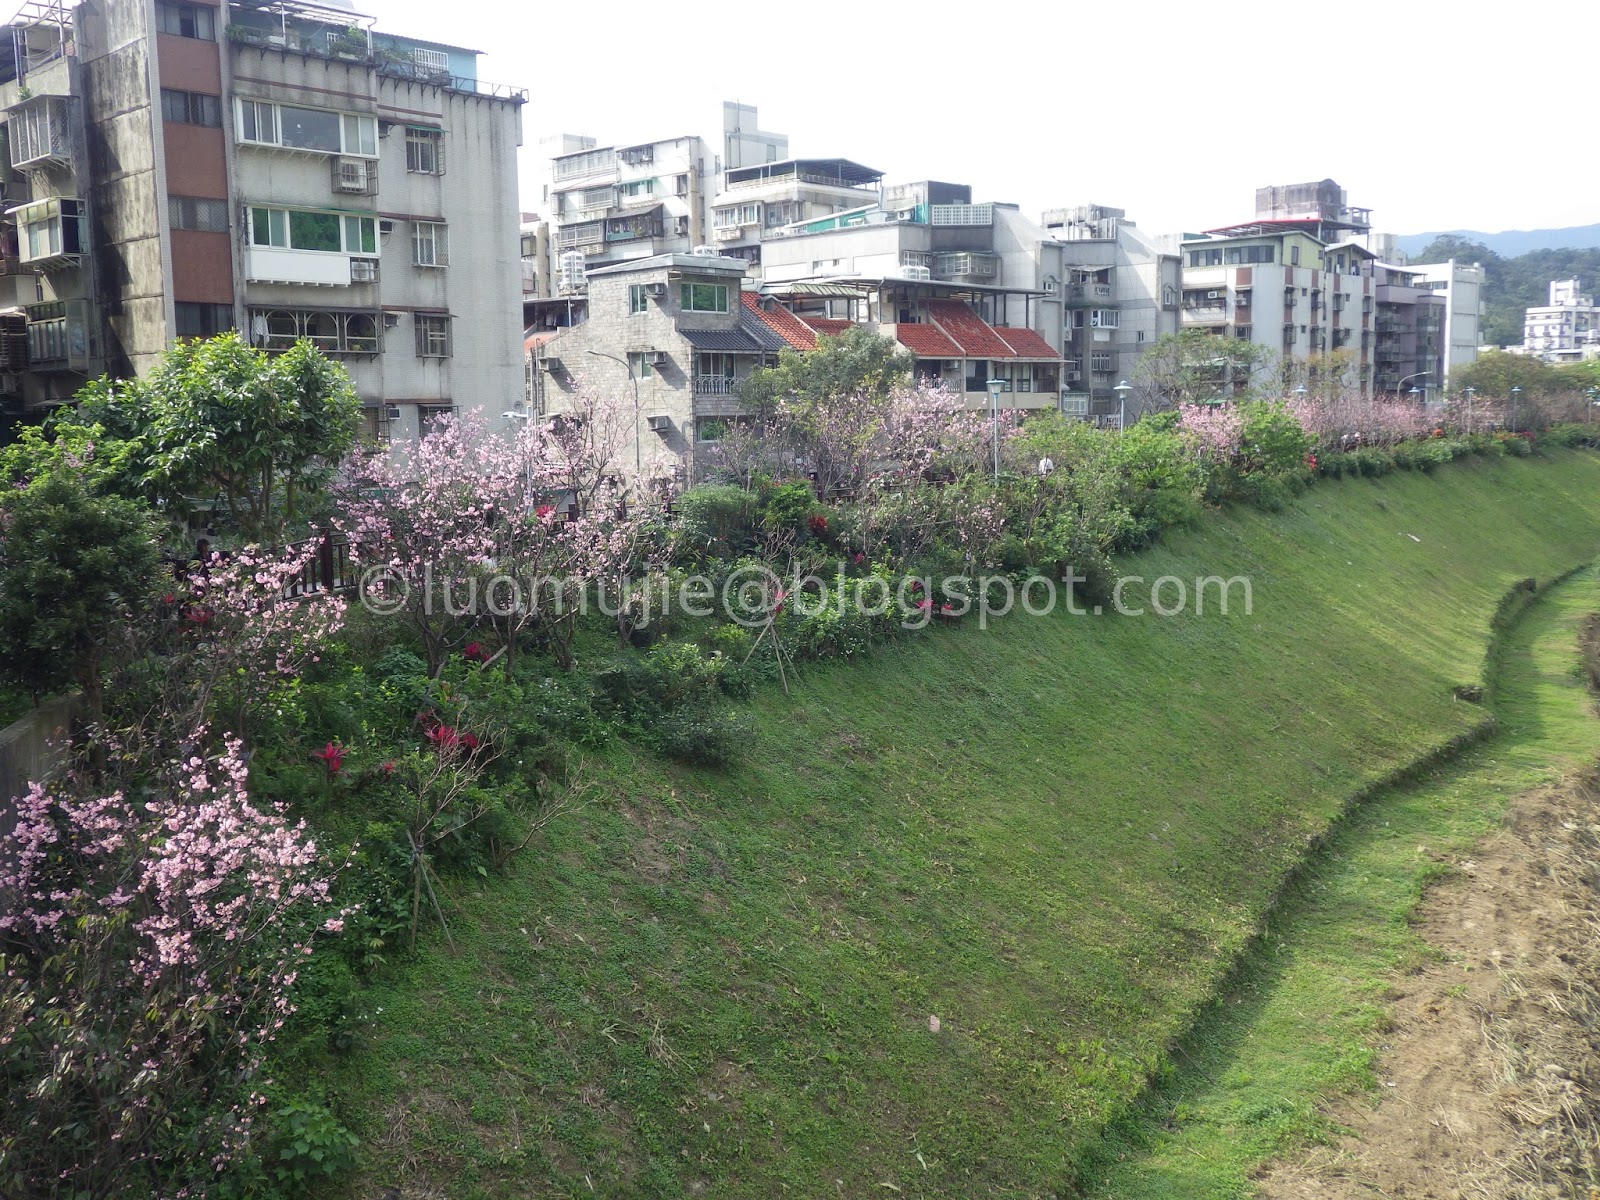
(149, 947)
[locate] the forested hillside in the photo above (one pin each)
(1514, 284)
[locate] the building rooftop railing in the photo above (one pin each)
(386, 63)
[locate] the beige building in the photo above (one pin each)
(185, 168)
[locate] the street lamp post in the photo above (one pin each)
(1470, 393)
(1515, 392)
(1122, 389)
(638, 453)
(994, 412)
(1414, 391)
(1593, 396)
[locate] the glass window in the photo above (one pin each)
(638, 298)
(639, 364)
(423, 156)
(195, 212)
(314, 231)
(191, 108)
(309, 129)
(430, 416)
(194, 320)
(269, 227)
(433, 335)
(430, 244)
(258, 122)
(186, 20)
(360, 136)
(704, 297)
(360, 235)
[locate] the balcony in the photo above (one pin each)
(269, 264)
(1211, 314)
(1088, 295)
(712, 385)
(966, 265)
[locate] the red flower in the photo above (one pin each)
(1311, 461)
(860, 558)
(817, 523)
(916, 586)
(443, 737)
(473, 652)
(332, 757)
(469, 740)
(387, 768)
(169, 598)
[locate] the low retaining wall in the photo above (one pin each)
(32, 748)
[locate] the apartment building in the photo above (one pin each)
(177, 169)
(760, 199)
(1281, 284)
(1122, 292)
(1461, 286)
(671, 330)
(1565, 330)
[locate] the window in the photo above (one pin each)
(298, 229)
(196, 212)
(332, 332)
(319, 129)
(431, 416)
(638, 298)
(703, 297)
(191, 108)
(639, 364)
(433, 335)
(711, 429)
(1294, 256)
(637, 188)
(50, 229)
(1100, 362)
(1205, 258)
(202, 320)
(375, 425)
(187, 20)
(430, 244)
(1248, 254)
(424, 151)
(1103, 318)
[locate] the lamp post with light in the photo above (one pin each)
(1516, 392)
(995, 386)
(1122, 389)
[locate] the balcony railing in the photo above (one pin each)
(712, 385)
(1095, 294)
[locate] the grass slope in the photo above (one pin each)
(1311, 1001)
(1053, 835)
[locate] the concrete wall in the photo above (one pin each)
(32, 749)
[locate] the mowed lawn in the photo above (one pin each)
(1051, 835)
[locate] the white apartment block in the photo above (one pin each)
(760, 200)
(1461, 285)
(187, 167)
(614, 203)
(1122, 293)
(1565, 330)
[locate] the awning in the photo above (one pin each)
(731, 341)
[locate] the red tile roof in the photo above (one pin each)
(975, 336)
(926, 341)
(830, 326)
(1026, 342)
(782, 322)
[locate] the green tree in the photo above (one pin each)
(1495, 373)
(857, 362)
(219, 418)
(1195, 367)
(75, 567)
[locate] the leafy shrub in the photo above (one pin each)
(714, 521)
(312, 1146)
(787, 507)
(703, 737)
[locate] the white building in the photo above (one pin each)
(1565, 330)
(1461, 284)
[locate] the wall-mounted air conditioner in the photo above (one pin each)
(655, 290)
(660, 424)
(655, 357)
(391, 412)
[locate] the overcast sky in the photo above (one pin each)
(1435, 115)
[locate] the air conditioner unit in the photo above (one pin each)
(1213, 295)
(656, 290)
(553, 365)
(363, 270)
(705, 252)
(915, 271)
(660, 424)
(655, 357)
(351, 175)
(391, 412)
(385, 227)
(391, 320)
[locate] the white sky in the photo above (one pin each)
(1429, 112)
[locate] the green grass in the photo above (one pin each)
(1301, 1023)
(1055, 835)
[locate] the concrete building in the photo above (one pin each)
(675, 327)
(759, 200)
(178, 169)
(744, 143)
(1122, 291)
(1461, 285)
(1565, 330)
(613, 203)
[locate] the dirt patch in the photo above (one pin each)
(1489, 1073)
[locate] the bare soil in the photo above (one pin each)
(1489, 1074)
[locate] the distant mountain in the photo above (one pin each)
(1513, 242)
